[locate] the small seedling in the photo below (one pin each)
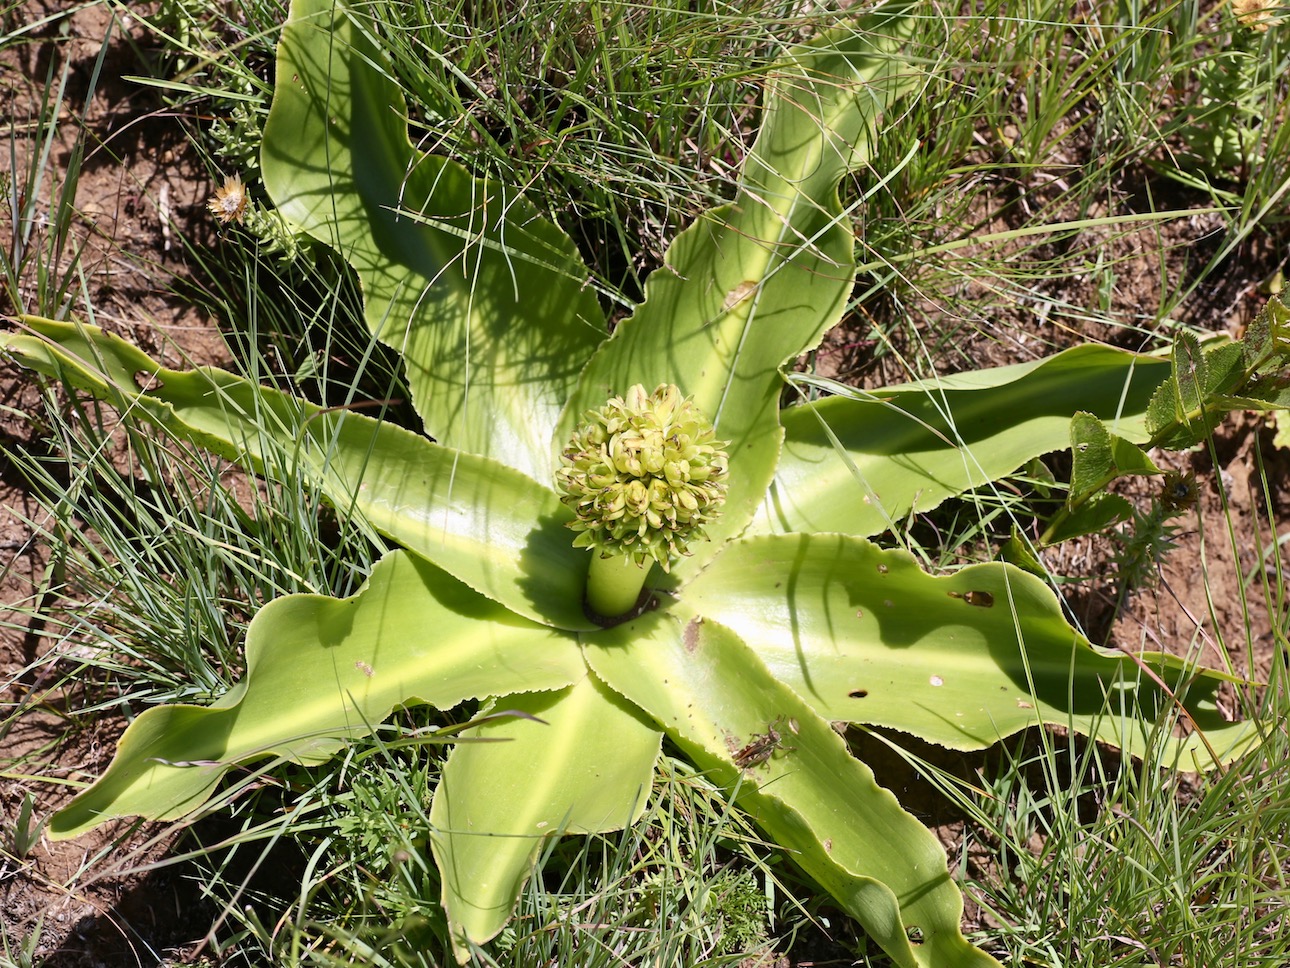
(26, 831)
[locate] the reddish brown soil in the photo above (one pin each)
(140, 194)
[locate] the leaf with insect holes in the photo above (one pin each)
(716, 698)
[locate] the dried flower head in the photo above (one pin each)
(1178, 492)
(643, 474)
(1257, 14)
(228, 204)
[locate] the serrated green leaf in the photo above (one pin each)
(1092, 462)
(1180, 414)
(1099, 457)
(1258, 335)
(486, 300)
(753, 284)
(321, 670)
(713, 696)
(864, 635)
(1268, 335)
(1190, 372)
(585, 768)
(857, 465)
(1225, 370)
(1163, 413)
(490, 526)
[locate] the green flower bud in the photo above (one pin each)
(643, 474)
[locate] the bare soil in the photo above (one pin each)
(142, 194)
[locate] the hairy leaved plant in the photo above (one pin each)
(759, 614)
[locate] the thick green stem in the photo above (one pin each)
(614, 584)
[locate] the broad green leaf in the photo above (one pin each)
(753, 284)
(713, 696)
(1099, 457)
(1268, 336)
(859, 465)
(865, 636)
(320, 670)
(486, 300)
(490, 526)
(587, 767)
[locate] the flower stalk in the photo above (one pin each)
(642, 474)
(614, 585)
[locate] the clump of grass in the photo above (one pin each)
(19, 952)
(1113, 864)
(1054, 151)
(687, 885)
(39, 255)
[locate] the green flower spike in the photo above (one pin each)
(643, 474)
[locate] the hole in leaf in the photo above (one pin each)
(147, 381)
